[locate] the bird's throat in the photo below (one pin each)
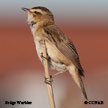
(32, 23)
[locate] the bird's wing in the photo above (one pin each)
(64, 45)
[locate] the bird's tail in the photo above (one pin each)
(78, 80)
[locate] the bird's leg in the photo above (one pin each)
(47, 58)
(56, 74)
(47, 80)
(42, 45)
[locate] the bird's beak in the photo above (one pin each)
(26, 9)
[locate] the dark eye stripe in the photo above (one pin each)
(36, 12)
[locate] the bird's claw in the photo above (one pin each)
(44, 57)
(48, 81)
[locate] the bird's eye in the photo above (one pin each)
(36, 12)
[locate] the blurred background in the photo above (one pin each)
(21, 73)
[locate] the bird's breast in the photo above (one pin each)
(57, 60)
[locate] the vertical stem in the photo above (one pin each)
(47, 75)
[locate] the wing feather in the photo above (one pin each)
(64, 45)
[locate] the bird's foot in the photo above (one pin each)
(48, 80)
(47, 58)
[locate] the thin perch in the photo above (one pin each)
(47, 76)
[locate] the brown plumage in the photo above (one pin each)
(60, 49)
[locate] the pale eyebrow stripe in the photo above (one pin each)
(38, 10)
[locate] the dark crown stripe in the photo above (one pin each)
(42, 8)
(46, 10)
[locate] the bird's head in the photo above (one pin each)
(39, 14)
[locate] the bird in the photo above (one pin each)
(61, 52)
